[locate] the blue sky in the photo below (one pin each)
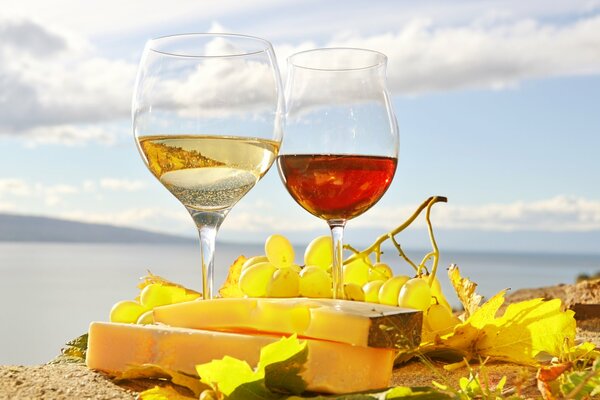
(498, 104)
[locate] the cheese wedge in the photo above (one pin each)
(331, 367)
(351, 322)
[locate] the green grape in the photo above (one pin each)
(255, 279)
(436, 291)
(439, 319)
(315, 282)
(155, 295)
(296, 268)
(357, 272)
(146, 318)
(126, 311)
(279, 251)
(284, 283)
(415, 293)
(388, 292)
(380, 271)
(371, 290)
(353, 292)
(319, 252)
(254, 260)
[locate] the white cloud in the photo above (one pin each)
(14, 187)
(424, 57)
(115, 16)
(49, 94)
(89, 186)
(175, 221)
(55, 194)
(31, 38)
(7, 207)
(69, 135)
(50, 194)
(244, 219)
(121, 184)
(556, 214)
(56, 88)
(260, 217)
(309, 18)
(204, 88)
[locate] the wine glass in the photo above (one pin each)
(207, 118)
(340, 149)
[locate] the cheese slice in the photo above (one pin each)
(331, 367)
(351, 322)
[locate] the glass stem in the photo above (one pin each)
(337, 237)
(208, 224)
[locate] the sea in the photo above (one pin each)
(50, 292)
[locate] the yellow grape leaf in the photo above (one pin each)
(153, 371)
(465, 289)
(526, 330)
(163, 393)
(151, 278)
(529, 329)
(231, 288)
(487, 312)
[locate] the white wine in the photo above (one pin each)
(206, 172)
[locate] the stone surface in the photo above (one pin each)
(57, 382)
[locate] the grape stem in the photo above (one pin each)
(352, 249)
(403, 254)
(433, 255)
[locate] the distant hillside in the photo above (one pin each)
(20, 228)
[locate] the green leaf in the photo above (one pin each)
(582, 384)
(284, 376)
(278, 370)
(253, 391)
(227, 374)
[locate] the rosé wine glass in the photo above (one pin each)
(340, 149)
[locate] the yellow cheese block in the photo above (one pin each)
(356, 323)
(330, 368)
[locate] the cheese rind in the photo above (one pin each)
(330, 367)
(356, 323)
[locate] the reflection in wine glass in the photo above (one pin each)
(207, 117)
(341, 137)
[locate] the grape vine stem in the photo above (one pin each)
(432, 255)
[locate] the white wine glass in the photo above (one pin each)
(340, 150)
(207, 118)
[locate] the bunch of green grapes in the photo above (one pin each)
(275, 274)
(376, 283)
(139, 311)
